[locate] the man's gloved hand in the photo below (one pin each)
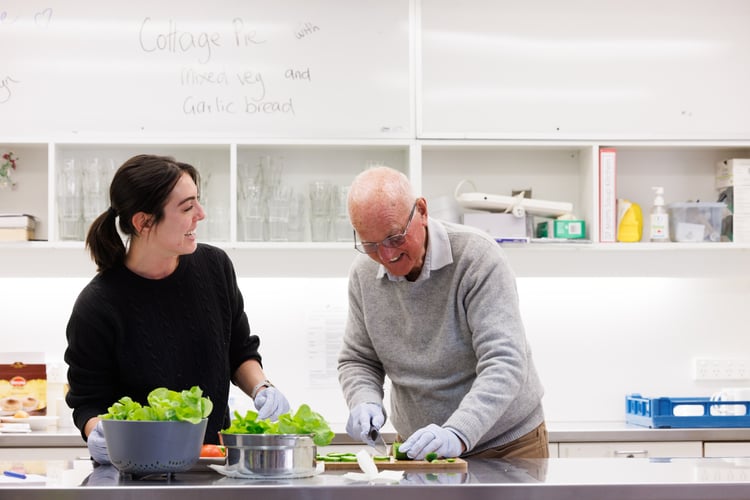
(432, 438)
(362, 417)
(271, 403)
(98, 445)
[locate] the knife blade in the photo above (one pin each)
(375, 439)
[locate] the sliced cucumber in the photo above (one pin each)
(398, 455)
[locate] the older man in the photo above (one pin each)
(434, 306)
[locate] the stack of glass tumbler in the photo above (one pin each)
(82, 194)
(270, 210)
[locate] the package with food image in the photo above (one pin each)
(23, 384)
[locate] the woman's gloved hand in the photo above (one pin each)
(98, 445)
(102, 475)
(271, 403)
(432, 438)
(362, 418)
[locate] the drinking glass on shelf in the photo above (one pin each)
(96, 178)
(278, 214)
(342, 228)
(320, 210)
(270, 169)
(70, 200)
(251, 208)
(374, 163)
(297, 227)
(205, 184)
(218, 223)
(217, 220)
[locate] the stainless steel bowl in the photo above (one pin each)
(277, 455)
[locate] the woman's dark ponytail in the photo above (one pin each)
(104, 242)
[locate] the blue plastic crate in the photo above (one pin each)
(683, 412)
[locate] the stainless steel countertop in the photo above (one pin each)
(559, 432)
(581, 479)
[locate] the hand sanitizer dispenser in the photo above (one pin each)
(659, 220)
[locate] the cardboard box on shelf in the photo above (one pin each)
(17, 227)
(23, 385)
(17, 220)
(16, 234)
(564, 229)
(499, 226)
(733, 172)
(733, 179)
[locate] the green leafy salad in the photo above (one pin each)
(164, 404)
(305, 421)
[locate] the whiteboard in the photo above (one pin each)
(241, 68)
(641, 69)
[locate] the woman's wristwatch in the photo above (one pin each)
(265, 383)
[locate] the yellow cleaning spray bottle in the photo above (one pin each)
(629, 221)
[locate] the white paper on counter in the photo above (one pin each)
(14, 428)
(370, 471)
(30, 479)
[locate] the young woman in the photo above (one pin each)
(163, 310)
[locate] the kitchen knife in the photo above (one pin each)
(375, 439)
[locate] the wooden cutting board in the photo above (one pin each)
(459, 465)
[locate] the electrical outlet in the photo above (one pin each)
(722, 369)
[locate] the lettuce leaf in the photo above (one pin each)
(304, 421)
(163, 404)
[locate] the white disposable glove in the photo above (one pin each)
(98, 445)
(271, 403)
(362, 418)
(432, 438)
(102, 475)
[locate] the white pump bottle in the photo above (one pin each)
(659, 220)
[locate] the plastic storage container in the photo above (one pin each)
(695, 221)
(665, 412)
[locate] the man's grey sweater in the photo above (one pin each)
(452, 342)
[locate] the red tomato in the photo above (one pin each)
(213, 450)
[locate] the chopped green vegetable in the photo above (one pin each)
(163, 404)
(450, 460)
(381, 458)
(305, 421)
(430, 457)
(397, 452)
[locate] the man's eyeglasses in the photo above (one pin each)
(394, 241)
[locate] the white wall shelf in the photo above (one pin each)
(306, 259)
(554, 170)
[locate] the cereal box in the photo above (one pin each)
(23, 388)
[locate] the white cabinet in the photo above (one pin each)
(632, 449)
(726, 449)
